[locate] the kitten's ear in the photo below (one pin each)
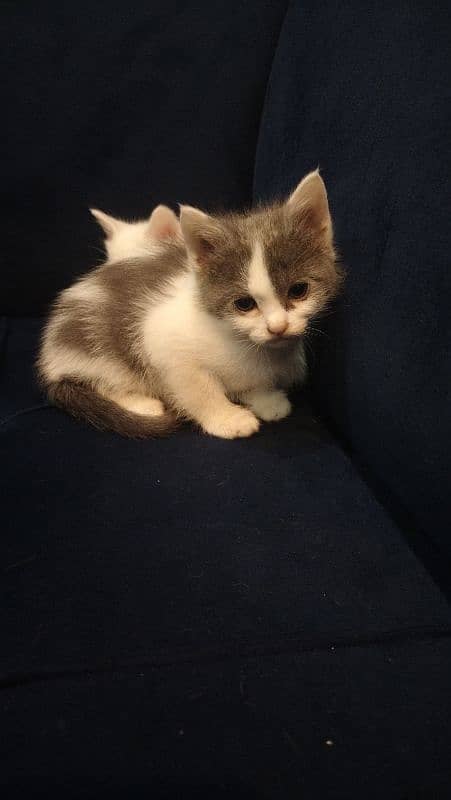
(309, 204)
(200, 232)
(163, 223)
(109, 224)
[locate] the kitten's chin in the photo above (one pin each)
(282, 342)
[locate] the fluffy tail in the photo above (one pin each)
(83, 402)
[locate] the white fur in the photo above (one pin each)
(58, 361)
(86, 291)
(268, 405)
(263, 292)
(202, 363)
(131, 239)
(179, 328)
(137, 403)
(135, 239)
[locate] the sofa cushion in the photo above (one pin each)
(334, 724)
(121, 109)
(363, 91)
(118, 551)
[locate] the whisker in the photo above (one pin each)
(312, 329)
(98, 250)
(311, 351)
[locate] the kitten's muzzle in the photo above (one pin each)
(278, 326)
(283, 340)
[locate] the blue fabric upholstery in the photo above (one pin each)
(122, 107)
(208, 544)
(176, 566)
(351, 722)
(209, 619)
(366, 96)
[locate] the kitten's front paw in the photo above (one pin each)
(270, 406)
(233, 424)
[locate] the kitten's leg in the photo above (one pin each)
(137, 403)
(268, 404)
(202, 397)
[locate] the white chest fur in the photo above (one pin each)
(178, 331)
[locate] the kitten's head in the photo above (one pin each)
(269, 271)
(131, 239)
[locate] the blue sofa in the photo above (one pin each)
(262, 618)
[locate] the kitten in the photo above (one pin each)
(129, 239)
(209, 329)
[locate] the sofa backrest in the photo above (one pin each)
(121, 106)
(362, 89)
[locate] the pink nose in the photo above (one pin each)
(278, 327)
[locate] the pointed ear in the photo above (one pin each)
(309, 203)
(109, 224)
(200, 232)
(163, 223)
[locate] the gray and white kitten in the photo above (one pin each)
(207, 329)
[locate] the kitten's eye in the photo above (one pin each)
(298, 291)
(245, 303)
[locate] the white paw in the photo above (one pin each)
(235, 423)
(147, 406)
(270, 406)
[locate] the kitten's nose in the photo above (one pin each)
(277, 326)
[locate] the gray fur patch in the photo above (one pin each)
(109, 327)
(293, 253)
(223, 277)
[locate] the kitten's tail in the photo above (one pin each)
(83, 402)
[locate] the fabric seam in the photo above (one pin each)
(234, 652)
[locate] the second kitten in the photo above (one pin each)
(130, 239)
